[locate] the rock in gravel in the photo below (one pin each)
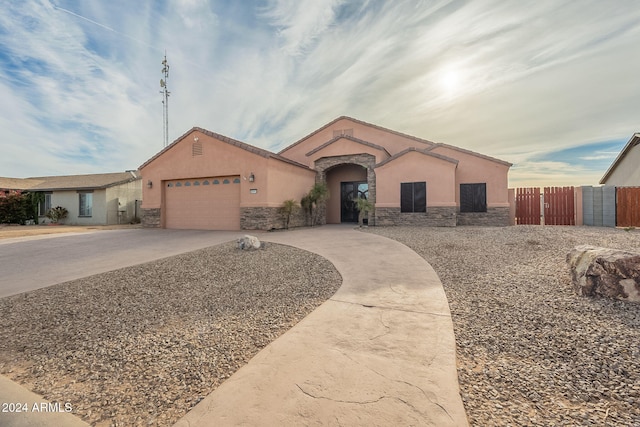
(249, 243)
(605, 272)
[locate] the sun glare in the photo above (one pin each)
(451, 79)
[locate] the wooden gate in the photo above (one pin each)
(559, 206)
(528, 206)
(628, 206)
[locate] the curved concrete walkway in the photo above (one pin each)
(380, 352)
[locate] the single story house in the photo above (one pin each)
(204, 180)
(624, 171)
(94, 199)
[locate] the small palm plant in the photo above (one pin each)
(287, 209)
(364, 207)
(313, 200)
(56, 214)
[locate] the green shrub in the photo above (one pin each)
(14, 209)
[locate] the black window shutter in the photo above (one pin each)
(406, 197)
(480, 198)
(466, 198)
(419, 196)
(473, 197)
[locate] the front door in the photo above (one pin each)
(349, 192)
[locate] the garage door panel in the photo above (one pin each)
(215, 206)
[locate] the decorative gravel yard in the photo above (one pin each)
(142, 345)
(530, 351)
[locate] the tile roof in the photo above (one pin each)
(351, 138)
(415, 138)
(473, 153)
(243, 145)
(18, 183)
(426, 152)
(69, 182)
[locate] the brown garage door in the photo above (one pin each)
(203, 203)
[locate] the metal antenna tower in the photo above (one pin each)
(165, 99)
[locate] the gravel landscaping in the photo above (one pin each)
(142, 345)
(530, 351)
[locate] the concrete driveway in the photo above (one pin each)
(381, 351)
(36, 262)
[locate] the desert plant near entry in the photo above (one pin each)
(318, 194)
(364, 207)
(57, 213)
(287, 209)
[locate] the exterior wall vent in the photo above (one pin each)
(341, 132)
(196, 149)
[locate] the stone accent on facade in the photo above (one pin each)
(269, 218)
(151, 218)
(434, 217)
(496, 217)
(365, 160)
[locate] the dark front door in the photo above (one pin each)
(349, 192)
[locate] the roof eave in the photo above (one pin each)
(350, 138)
(633, 141)
(473, 153)
(417, 150)
(395, 132)
(236, 143)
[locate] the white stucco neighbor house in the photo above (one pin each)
(93, 199)
(625, 170)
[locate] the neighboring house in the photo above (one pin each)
(204, 180)
(625, 170)
(96, 199)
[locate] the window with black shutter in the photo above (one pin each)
(413, 197)
(473, 197)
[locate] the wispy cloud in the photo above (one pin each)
(525, 81)
(601, 156)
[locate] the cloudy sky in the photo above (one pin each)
(550, 86)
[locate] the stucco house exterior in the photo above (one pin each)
(93, 199)
(204, 180)
(624, 171)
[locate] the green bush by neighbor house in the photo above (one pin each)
(14, 208)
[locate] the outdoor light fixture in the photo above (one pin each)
(149, 184)
(252, 177)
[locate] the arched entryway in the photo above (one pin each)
(347, 178)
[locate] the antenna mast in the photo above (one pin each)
(165, 99)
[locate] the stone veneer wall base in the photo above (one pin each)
(269, 218)
(434, 217)
(151, 218)
(496, 217)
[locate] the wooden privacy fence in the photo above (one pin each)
(559, 206)
(628, 206)
(528, 206)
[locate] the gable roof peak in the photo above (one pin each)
(350, 138)
(425, 151)
(360, 122)
(242, 145)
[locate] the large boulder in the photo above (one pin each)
(248, 243)
(605, 272)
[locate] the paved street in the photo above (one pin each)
(37, 262)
